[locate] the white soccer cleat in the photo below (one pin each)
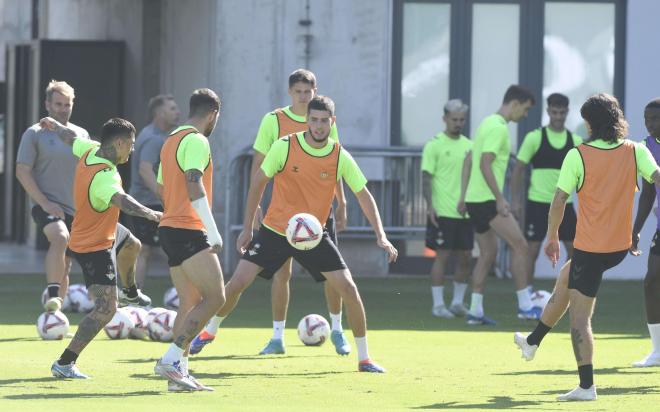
(200, 385)
(172, 372)
(442, 312)
(652, 360)
(53, 304)
(175, 387)
(579, 394)
(528, 351)
(458, 309)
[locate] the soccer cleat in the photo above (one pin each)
(274, 347)
(369, 366)
(53, 304)
(476, 320)
(528, 351)
(172, 372)
(69, 371)
(458, 309)
(579, 394)
(175, 387)
(201, 340)
(652, 360)
(141, 299)
(200, 386)
(442, 312)
(341, 344)
(533, 314)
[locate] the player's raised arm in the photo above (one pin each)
(65, 134)
(132, 207)
(370, 210)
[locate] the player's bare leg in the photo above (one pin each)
(279, 297)
(126, 263)
(55, 263)
(487, 242)
(333, 300)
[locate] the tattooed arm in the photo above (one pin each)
(132, 207)
(65, 134)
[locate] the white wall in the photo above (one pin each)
(15, 26)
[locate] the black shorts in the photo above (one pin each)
(181, 244)
(41, 218)
(655, 244)
(587, 269)
(271, 250)
(146, 230)
(481, 214)
(98, 267)
(450, 234)
(536, 222)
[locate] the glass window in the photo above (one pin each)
(495, 50)
(425, 71)
(578, 54)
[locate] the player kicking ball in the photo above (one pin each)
(305, 167)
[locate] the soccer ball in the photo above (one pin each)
(304, 231)
(65, 305)
(79, 298)
(161, 327)
(540, 298)
(120, 325)
(139, 318)
(171, 299)
(152, 314)
(313, 330)
(52, 325)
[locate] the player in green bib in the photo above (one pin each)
(544, 149)
(447, 231)
(489, 210)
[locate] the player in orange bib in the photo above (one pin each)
(98, 197)
(604, 172)
(188, 234)
(305, 167)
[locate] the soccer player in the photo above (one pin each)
(45, 167)
(606, 195)
(447, 231)
(164, 114)
(189, 235)
(545, 149)
(489, 211)
(278, 123)
(98, 197)
(652, 279)
(306, 167)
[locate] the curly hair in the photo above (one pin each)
(605, 117)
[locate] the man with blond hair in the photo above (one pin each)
(45, 166)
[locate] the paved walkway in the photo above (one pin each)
(23, 259)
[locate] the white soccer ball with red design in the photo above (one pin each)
(139, 318)
(304, 231)
(79, 298)
(540, 298)
(120, 326)
(65, 305)
(161, 327)
(171, 299)
(313, 330)
(52, 325)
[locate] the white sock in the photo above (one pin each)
(184, 365)
(654, 330)
(335, 318)
(212, 327)
(438, 295)
(173, 354)
(524, 300)
(530, 290)
(278, 329)
(477, 305)
(459, 293)
(363, 352)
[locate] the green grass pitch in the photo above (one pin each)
(431, 363)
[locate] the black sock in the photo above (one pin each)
(586, 373)
(131, 292)
(53, 290)
(538, 334)
(67, 357)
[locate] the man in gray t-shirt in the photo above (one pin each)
(46, 167)
(164, 113)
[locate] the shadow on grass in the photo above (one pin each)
(226, 375)
(28, 396)
(230, 358)
(4, 382)
(597, 371)
(20, 340)
(496, 402)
